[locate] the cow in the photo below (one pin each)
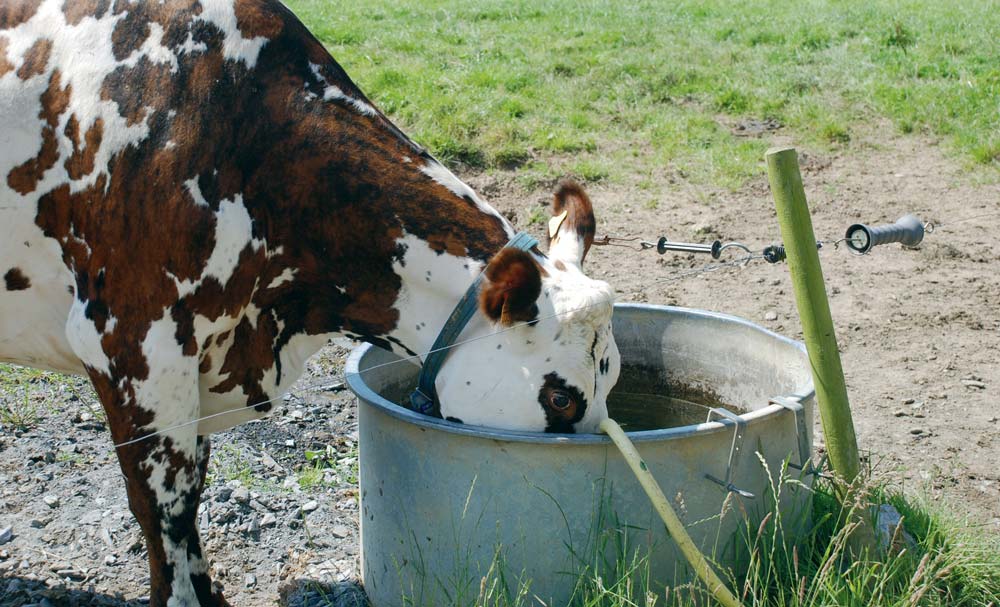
(195, 197)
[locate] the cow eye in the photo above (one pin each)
(560, 400)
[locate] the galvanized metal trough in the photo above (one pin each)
(445, 506)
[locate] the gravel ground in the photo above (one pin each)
(279, 516)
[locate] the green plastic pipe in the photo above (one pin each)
(666, 512)
(814, 311)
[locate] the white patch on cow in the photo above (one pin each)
(233, 232)
(287, 275)
(441, 175)
(190, 46)
(33, 321)
(568, 247)
(170, 389)
(152, 49)
(222, 13)
(195, 190)
(83, 336)
(431, 284)
(332, 92)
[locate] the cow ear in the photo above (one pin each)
(572, 227)
(513, 283)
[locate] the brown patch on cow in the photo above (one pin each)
(256, 18)
(245, 366)
(156, 81)
(36, 59)
(15, 12)
(5, 64)
(15, 280)
(571, 197)
(559, 265)
(24, 178)
(205, 365)
(81, 162)
(129, 33)
(515, 283)
(76, 10)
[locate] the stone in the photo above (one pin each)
(6, 535)
(241, 495)
(267, 460)
(91, 518)
(310, 506)
(892, 534)
(51, 501)
(340, 531)
(771, 316)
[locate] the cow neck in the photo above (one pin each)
(424, 398)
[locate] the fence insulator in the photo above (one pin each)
(908, 231)
(663, 245)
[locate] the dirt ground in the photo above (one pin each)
(919, 330)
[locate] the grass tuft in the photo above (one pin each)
(899, 36)
(795, 559)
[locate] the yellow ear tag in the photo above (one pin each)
(555, 223)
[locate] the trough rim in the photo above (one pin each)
(358, 386)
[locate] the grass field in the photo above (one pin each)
(626, 88)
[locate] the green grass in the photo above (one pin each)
(329, 468)
(622, 88)
(23, 392)
(26, 394)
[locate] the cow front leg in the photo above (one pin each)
(164, 467)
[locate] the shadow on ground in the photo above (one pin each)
(311, 593)
(17, 591)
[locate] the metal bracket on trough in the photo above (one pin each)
(739, 430)
(794, 404)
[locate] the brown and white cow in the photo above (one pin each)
(195, 197)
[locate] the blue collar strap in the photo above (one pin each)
(424, 398)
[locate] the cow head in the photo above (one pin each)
(554, 359)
